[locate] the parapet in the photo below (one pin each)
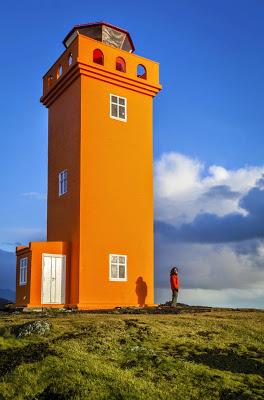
(99, 60)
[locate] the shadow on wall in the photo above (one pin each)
(141, 291)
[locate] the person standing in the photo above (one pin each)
(175, 283)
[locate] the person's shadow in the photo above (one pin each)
(141, 291)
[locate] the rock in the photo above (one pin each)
(168, 304)
(32, 328)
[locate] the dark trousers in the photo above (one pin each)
(174, 297)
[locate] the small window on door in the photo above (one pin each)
(118, 107)
(117, 267)
(23, 263)
(63, 182)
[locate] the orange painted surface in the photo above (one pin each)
(23, 291)
(64, 153)
(108, 208)
(116, 195)
(29, 295)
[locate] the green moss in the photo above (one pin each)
(216, 355)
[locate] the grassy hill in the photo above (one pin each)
(214, 354)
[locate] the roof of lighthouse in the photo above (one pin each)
(103, 32)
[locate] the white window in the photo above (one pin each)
(23, 271)
(118, 107)
(117, 267)
(63, 182)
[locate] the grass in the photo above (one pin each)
(209, 355)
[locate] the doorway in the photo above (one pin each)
(53, 278)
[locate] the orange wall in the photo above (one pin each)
(109, 204)
(64, 153)
(116, 194)
(23, 292)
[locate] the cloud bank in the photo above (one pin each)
(210, 221)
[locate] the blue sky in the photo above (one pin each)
(209, 114)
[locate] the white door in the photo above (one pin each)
(53, 279)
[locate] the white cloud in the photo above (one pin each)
(184, 187)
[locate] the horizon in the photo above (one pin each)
(208, 137)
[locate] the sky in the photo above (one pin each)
(208, 135)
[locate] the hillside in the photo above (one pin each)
(8, 294)
(3, 303)
(213, 354)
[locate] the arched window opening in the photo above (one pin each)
(141, 72)
(120, 64)
(59, 72)
(70, 59)
(98, 57)
(50, 79)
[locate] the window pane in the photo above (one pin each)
(122, 112)
(121, 101)
(65, 183)
(121, 271)
(23, 271)
(122, 260)
(113, 259)
(114, 110)
(114, 99)
(114, 271)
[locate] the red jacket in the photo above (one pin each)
(174, 281)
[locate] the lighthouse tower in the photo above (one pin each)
(99, 249)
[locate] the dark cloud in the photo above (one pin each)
(7, 270)
(247, 247)
(210, 228)
(221, 191)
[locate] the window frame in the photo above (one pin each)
(118, 263)
(23, 271)
(118, 105)
(63, 188)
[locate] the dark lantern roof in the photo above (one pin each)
(89, 29)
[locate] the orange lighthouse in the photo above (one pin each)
(99, 249)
